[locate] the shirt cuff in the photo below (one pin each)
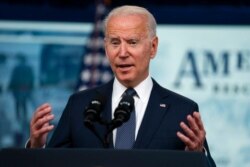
(204, 150)
(27, 144)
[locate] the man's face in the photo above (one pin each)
(129, 48)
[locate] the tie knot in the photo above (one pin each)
(130, 92)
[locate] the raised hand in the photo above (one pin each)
(194, 133)
(40, 126)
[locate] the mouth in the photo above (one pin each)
(124, 67)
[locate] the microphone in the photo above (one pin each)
(93, 111)
(122, 112)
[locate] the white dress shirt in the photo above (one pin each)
(143, 91)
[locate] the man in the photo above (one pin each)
(21, 86)
(164, 119)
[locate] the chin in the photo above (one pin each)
(125, 81)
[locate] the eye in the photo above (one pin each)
(133, 42)
(114, 42)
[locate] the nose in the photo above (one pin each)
(123, 50)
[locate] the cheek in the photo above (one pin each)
(110, 55)
(142, 63)
(146, 56)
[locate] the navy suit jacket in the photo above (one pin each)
(164, 112)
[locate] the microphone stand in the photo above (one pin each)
(110, 126)
(122, 116)
(93, 129)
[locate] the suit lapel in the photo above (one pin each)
(154, 114)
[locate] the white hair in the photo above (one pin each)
(133, 10)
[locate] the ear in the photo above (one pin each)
(105, 47)
(154, 47)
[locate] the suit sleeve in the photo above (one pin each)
(210, 160)
(61, 135)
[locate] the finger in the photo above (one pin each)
(198, 120)
(197, 128)
(186, 140)
(43, 131)
(194, 141)
(189, 133)
(38, 122)
(43, 121)
(41, 112)
(202, 133)
(192, 124)
(43, 106)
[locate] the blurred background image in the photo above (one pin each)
(50, 49)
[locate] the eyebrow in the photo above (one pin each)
(127, 38)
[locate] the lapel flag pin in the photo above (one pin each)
(163, 105)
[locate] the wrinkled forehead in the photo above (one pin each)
(129, 25)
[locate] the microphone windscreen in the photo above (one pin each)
(122, 112)
(93, 110)
(127, 103)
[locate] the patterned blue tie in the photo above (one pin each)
(125, 136)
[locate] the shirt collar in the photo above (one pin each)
(143, 89)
